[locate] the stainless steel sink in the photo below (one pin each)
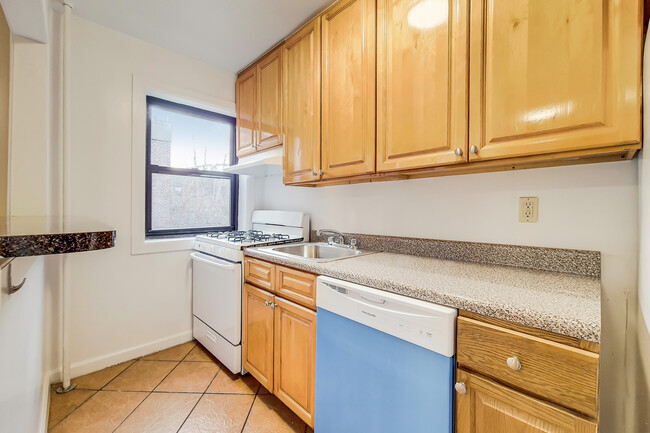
(316, 251)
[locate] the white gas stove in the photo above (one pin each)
(218, 274)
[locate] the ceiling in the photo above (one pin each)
(227, 34)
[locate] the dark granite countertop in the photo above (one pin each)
(38, 236)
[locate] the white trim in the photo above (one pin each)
(141, 88)
(95, 364)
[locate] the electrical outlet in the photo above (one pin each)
(528, 209)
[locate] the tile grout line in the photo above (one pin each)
(150, 392)
(73, 410)
(190, 413)
(249, 411)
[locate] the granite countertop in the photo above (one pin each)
(563, 303)
(37, 236)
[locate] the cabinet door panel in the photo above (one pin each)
(301, 104)
(246, 94)
(258, 335)
(269, 76)
(488, 407)
(552, 76)
(295, 358)
(422, 83)
(348, 141)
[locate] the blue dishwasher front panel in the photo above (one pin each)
(368, 381)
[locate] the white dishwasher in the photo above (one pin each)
(384, 362)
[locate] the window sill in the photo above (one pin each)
(162, 245)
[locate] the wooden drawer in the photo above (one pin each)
(259, 273)
(556, 372)
(296, 286)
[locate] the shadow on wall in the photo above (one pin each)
(643, 376)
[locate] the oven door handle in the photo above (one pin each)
(214, 261)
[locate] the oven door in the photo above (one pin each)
(216, 290)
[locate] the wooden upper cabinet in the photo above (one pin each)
(295, 358)
(301, 104)
(552, 76)
(246, 96)
(422, 72)
(348, 100)
(257, 334)
(489, 407)
(269, 85)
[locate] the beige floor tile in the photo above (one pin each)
(270, 415)
(61, 405)
(199, 353)
(100, 378)
(142, 376)
(218, 413)
(176, 353)
(189, 377)
(228, 383)
(102, 413)
(160, 413)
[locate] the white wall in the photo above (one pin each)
(122, 305)
(592, 207)
(643, 323)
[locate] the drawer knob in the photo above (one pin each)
(460, 388)
(514, 363)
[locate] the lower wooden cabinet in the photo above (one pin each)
(279, 348)
(257, 334)
(295, 356)
(486, 406)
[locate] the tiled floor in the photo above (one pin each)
(181, 389)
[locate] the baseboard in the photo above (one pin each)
(98, 363)
(45, 403)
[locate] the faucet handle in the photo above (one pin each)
(353, 243)
(330, 240)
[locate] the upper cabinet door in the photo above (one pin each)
(553, 75)
(269, 76)
(301, 104)
(246, 95)
(348, 136)
(422, 74)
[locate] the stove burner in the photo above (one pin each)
(250, 236)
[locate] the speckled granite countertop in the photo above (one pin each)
(563, 303)
(38, 236)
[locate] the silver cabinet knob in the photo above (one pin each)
(267, 303)
(460, 387)
(321, 172)
(313, 173)
(273, 305)
(514, 363)
(473, 150)
(458, 151)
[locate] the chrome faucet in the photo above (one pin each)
(337, 238)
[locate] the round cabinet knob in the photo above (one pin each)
(458, 151)
(313, 173)
(473, 149)
(514, 363)
(460, 388)
(266, 303)
(321, 172)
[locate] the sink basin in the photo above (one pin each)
(315, 251)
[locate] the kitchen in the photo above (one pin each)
(135, 299)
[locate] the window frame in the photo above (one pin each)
(151, 169)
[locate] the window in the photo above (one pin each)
(187, 149)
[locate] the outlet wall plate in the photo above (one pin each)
(528, 209)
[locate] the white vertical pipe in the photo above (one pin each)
(65, 192)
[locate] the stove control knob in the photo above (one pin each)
(460, 388)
